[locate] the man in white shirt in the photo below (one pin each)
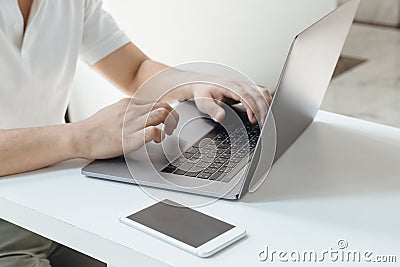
(40, 43)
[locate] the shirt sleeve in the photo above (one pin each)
(101, 34)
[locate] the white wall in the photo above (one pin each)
(253, 36)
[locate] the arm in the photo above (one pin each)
(29, 149)
(97, 137)
(100, 136)
(128, 68)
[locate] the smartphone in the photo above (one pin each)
(185, 228)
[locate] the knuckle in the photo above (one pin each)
(151, 131)
(163, 105)
(264, 90)
(266, 93)
(246, 95)
(162, 112)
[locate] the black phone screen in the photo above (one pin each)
(182, 223)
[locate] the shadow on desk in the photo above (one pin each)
(330, 161)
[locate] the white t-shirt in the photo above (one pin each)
(36, 69)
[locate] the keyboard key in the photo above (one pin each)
(179, 172)
(179, 161)
(210, 170)
(211, 146)
(220, 150)
(205, 150)
(196, 156)
(230, 165)
(227, 141)
(223, 146)
(228, 170)
(193, 150)
(220, 138)
(187, 155)
(203, 175)
(236, 146)
(215, 165)
(220, 160)
(169, 169)
(192, 174)
(225, 155)
(207, 160)
(216, 176)
(186, 166)
(235, 159)
(202, 165)
(241, 154)
(197, 169)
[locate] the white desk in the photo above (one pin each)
(341, 179)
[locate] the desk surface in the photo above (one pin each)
(339, 180)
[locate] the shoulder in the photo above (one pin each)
(87, 7)
(92, 4)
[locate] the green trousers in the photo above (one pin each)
(22, 248)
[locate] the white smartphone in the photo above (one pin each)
(185, 228)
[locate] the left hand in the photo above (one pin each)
(256, 100)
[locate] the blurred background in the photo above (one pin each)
(254, 37)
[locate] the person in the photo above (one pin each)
(40, 43)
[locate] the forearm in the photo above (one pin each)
(128, 68)
(23, 150)
(160, 87)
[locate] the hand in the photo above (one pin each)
(126, 126)
(256, 100)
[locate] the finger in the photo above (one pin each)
(207, 104)
(243, 96)
(153, 133)
(134, 103)
(266, 104)
(136, 140)
(141, 101)
(145, 107)
(267, 95)
(260, 106)
(172, 112)
(138, 110)
(162, 115)
(255, 96)
(154, 118)
(228, 94)
(172, 118)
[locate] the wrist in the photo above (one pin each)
(180, 94)
(77, 140)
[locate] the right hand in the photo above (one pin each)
(125, 127)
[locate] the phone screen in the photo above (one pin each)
(182, 223)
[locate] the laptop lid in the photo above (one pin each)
(305, 78)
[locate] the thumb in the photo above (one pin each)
(210, 107)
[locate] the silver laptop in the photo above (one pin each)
(225, 160)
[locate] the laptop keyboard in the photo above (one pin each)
(217, 154)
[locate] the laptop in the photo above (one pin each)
(227, 160)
